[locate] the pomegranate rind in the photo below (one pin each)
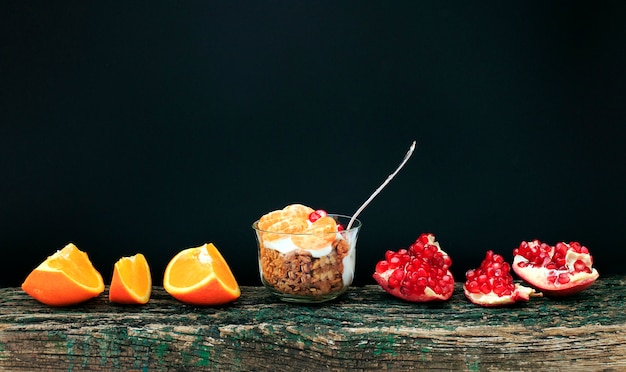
(536, 277)
(521, 294)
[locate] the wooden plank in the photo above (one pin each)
(365, 330)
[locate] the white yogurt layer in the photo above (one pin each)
(285, 245)
(349, 261)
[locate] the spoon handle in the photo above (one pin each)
(379, 189)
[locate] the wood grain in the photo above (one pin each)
(364, 330)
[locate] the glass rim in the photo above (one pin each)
(355, 226)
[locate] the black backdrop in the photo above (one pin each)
(153, 127)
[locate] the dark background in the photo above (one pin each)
(158, 126)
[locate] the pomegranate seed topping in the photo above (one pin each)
(316, 215)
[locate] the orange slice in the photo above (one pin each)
(65, 278)
(287, 226)
(320, 234)
(131, 282)
(291, 219)
(297, 211)
(200, 276)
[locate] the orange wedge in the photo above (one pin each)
(65, 278)
(131, 282)
(200, 276)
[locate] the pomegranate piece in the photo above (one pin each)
(492, 284)
(560, 270)
(418, 274)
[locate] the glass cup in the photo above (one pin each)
(308, 268)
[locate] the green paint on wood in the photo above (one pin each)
(386, 346)
(70, 355)
(160, 350)
(86, 353)
(203, 351)
(115, 340)
(141, 345)
(474, 366)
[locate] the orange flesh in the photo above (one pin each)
(132, 282)
(201, 276)
(322, 233)
(75, 264)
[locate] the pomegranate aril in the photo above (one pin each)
(382, 266)
(429, 251)
(421, 272)
(398, 274)
(580, 266)
(499, 289)
(316, 215)
(470, 274)
(423, 238)
(394, 262)
(393, 282)
(551, 278)
(422, 282)
(563, 278)
(389, 254)
(473, 287)
(396, 278)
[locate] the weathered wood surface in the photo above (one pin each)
(365, 330)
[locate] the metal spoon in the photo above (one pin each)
(378, 190)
